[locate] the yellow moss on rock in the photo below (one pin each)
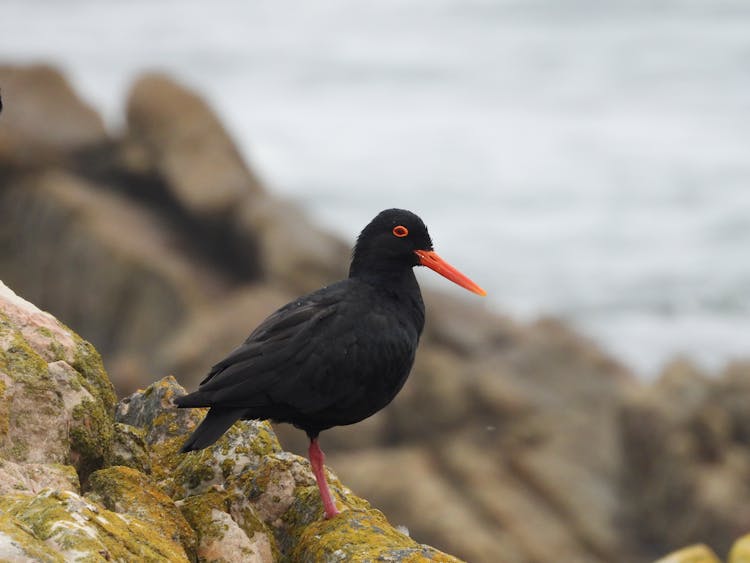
(740, 552)
(238, 452)
(91, 436)
(50, 399)
(693, 554)
(17, 543)
(88, 363)
(219, 518)
(127, 491)
(360, 536)
(129, 448)
(78, 529)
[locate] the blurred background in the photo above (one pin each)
(583, 161)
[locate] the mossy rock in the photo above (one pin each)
(693, 554)
(51, 412)
(29, 478)
(240, 451)
(360, 536)
(228, 528)
(740, 552)
(78, 529)
(151, 412)
(18, 543)
(127, 491)
(129, 448)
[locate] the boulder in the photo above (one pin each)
(295, 254)
(129, 492)
(694, 554)
(228, 529)
(173, 134)
(43, 119)
(130, 286)
(740, 552)
(75, 528)
(269, 495)
(685, 459)
(56, 402)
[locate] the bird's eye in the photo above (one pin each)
(400, 231)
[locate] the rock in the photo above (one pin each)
(228, 529)
(360, 536)
(685, 460)
(129, 448)
(467, 329)
(76, 528)
(270, 495)
(693, 554)
(161, 248)
(43, 119)
(137, 287)
(33, 477)
(129, 492)
(183, 142)
(436, 507)
(241, 499)
(57, 401)
(294, 253)
(18, 543)
(740, 552)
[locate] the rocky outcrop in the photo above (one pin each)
(174, 135)
(82, 479)
(686, 441)
(55, 398)
(47, 122)
(160, 245)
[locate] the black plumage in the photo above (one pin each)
(335, 356)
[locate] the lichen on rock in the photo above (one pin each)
(240, 499)
(129, 448)
(33, 477)
(227, 525)
(77, 528)
(58, 401)
(129, 492)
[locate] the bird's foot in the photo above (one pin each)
(330, 509)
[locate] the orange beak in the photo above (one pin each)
(430, 259)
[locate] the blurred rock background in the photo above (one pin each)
(518, 443)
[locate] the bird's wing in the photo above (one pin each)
(288, 358)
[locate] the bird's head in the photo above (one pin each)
(396, 240)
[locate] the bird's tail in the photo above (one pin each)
(217, 422)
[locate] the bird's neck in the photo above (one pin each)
(399, 285)
(387, 276)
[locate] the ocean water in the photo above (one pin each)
(589, 160)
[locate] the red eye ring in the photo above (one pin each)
(400, 231)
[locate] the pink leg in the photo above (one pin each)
(316, 460)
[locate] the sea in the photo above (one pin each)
(584, 159)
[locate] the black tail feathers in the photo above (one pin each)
(217, 422)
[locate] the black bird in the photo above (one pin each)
(335, 356)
